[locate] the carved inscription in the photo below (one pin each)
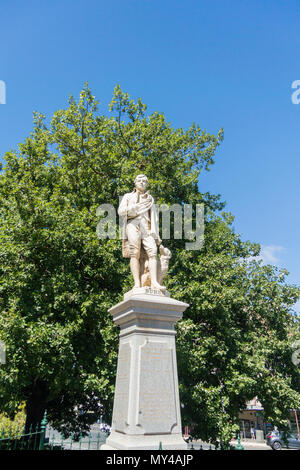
(157, 405)
(121, 401)
(149, 290)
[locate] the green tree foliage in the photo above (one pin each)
(57, 279)
(13, 428)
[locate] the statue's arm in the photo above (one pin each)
(122, 210)
(125, 208)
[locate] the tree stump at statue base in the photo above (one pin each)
(146, 403)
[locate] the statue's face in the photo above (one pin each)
(141, 182)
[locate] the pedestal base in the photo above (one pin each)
(119, 441)
(146, 405)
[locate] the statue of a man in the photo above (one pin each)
(140, 233)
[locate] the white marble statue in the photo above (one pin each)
(141, 237)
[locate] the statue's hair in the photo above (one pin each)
(139, 176)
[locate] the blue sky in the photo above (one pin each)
(219, 63)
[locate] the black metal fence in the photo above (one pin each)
(42, 437)
(17, 439)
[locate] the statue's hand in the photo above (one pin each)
(138, 208)
(132, 210)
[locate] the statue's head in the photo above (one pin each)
(141, 182)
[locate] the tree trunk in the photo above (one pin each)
(35, 406)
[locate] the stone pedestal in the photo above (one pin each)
(146, 405)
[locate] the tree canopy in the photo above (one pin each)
(57, 279)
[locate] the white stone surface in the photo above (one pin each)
(146, 405)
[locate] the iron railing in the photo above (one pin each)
(40, 437)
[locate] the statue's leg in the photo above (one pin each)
(134, 239)
(153, 274)
(144, 269)
(135, 270)
(151, 248)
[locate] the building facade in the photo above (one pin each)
(253, 416)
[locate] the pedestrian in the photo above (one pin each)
(252, 431)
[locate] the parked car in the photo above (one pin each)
(276, 440)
